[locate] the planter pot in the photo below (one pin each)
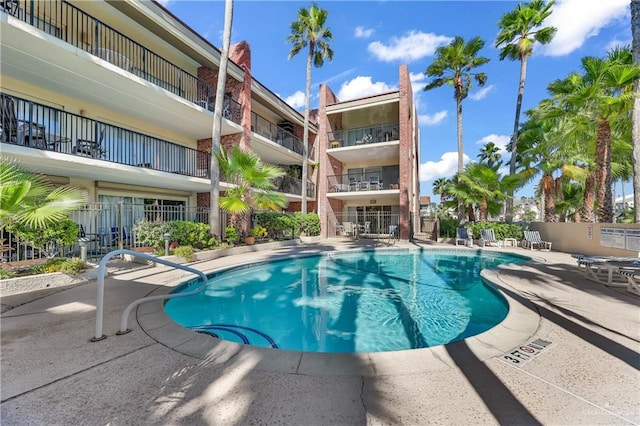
(250, 241)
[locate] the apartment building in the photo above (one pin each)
(116, 97)
(369, 162)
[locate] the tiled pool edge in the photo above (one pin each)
(519, 325)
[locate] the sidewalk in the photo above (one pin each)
(585, 370)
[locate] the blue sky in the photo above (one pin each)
(372, 38)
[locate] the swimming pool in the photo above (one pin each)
(364, 301)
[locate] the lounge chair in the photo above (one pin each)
(606, 269)
(464, 235)
(633, 278)
(487, 237)
(532, 240)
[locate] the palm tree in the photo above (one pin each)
(519, 30)
(490, 154)
(216, 131)
(488, 187)
(453, 67)
(605, 95)
(252, 182)
(309, 30)
(439, 187)
(28, 199)
(635, 29)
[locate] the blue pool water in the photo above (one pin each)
(368, 301)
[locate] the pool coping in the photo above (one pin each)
(521, 322)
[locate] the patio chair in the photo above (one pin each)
(91, 148)
(374, 183)
(532, 240)
(339, 229)
(464, 235)
(21, 132)
(349, 229)
(487, 237)
(353, 184)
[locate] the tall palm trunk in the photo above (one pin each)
(586, 212)
(460, 144)
(214, 194)
(603, 171)
(514, 136)
(305, 139)
(548, 190)
(483, 210)
(635, 30)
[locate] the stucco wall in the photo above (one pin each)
(574, 237)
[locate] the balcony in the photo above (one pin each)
(81, 30)
(293, 186)
(365, 183)
(32, 125)
(365, 143)
(278, 135)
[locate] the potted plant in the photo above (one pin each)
(335, 144)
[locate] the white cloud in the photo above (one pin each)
(433, 119)
(296, 100)
(500, 141)
(481, 93)
(165, 3)
(362, 32)
(577, 20)
(417, 82)
(362, 86)
(446, 167)
(410, 47)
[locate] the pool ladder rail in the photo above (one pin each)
(125, 315)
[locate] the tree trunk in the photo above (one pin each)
(305, 139)
(603, 171)
(514, 136)
(483, 210)
(586, 212)
(548, 191)
(635, 118)
(216, 131)
(460, 145)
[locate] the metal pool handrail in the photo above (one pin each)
(125, 315)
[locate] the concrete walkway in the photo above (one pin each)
(586, 339)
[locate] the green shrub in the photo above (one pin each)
(151, 233)
(259, 232)
(277, 224)
(500, 229)
(185, 252)
(6, 273)
(192, 234)
(71, 266)
(309, 223)
(448, 226)
(232, 234)
(63, 233)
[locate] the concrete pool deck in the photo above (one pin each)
(160, 373)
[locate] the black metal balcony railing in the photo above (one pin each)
(274, 133)
(363, 135)
(37, 126)
(372, 179)
(74, 26)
